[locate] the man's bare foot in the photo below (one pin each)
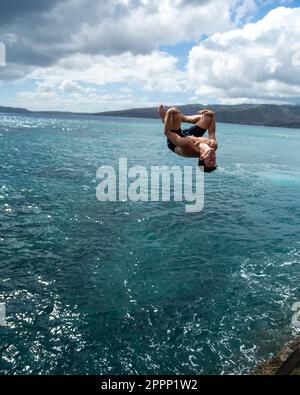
(162, 112)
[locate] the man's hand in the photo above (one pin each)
(213, 144)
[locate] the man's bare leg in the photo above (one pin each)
(184, 146)
(176, 120)
(203, 119)
(200, 119)
(184, 118)
(194, 119)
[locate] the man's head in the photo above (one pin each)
(209, 163)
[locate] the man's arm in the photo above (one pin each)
(212, 132)
(173, 137)
(203, 140)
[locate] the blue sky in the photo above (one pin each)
(91, 55)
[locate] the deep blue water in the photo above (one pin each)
(121, 288)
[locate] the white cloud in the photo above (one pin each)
(254, 63)
(148, 24)
(44, 91)
(96, 27)
(246, 9)
(69, 86)
(68, 95)
(81, 45)
(155, 72)
(91, 103)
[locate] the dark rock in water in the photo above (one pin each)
(287, 362)
(291, 364)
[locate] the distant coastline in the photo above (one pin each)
(286, 116)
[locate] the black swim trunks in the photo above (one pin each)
(193, 131)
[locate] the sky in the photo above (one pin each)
(99, 55)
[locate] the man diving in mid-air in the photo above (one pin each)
(190, 142)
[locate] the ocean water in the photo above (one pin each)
(124, 288)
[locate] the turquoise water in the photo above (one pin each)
(122, 288)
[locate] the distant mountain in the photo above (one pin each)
(248, 114)
(11, 110)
